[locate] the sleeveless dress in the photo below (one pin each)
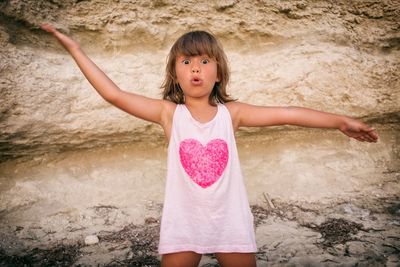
(206, 209)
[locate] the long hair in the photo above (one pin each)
(197, 43)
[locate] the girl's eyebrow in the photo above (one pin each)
(189, 56)
(182, 56)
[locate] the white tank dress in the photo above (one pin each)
(206, 209)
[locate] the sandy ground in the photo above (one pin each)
(361, 231)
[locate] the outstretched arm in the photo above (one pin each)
(255, 116)
(142, 107)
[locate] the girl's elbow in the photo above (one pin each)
(111, 98)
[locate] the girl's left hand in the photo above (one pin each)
(358, 130)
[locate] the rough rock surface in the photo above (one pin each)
(336, 56)
(71, 165)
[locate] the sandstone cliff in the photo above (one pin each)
(337, 56)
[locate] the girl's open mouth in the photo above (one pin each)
(196, 81)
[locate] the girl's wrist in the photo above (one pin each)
(343, 122)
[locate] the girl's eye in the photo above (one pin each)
(186, 61)
(205, 61)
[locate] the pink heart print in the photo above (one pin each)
(204, 164)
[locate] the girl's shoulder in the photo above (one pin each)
(168, 110)
(167, 115)
(234, 109)
(232, 105)
(168, 107)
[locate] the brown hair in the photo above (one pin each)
(197, 43)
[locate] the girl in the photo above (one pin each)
(206, 209)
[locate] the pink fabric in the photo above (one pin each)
(206, 209)
(204, 164)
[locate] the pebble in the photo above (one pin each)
(351, 209)
(150, 220)
(91, 240)
(129, 255)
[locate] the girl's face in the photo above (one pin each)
(196, 75)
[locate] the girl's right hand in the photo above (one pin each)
(67, 42)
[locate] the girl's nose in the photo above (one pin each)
(195, 69)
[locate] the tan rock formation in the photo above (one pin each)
(340, 57)
(72, 165)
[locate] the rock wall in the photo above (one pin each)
(337, 56)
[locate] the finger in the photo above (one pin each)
(369, 138)
(374, 138)
(368, 129)
(370, 132)
(358, 138)
(45, 26)
(48, 28)
(374, 135)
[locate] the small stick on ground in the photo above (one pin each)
(269, 201)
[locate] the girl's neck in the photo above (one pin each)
(197, 104)
(201, 111)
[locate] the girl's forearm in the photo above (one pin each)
(97, 78)
(312, 118)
